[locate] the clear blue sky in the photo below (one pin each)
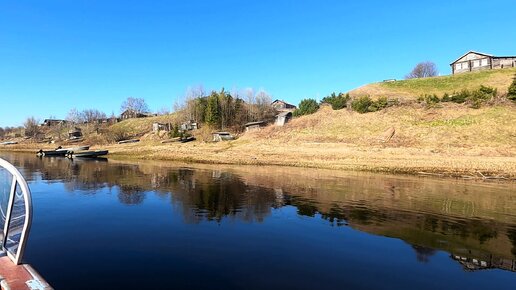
(55, 55)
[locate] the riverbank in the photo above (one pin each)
(337, 156)
(448, 141)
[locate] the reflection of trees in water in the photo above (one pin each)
(213, 195)
(511, 234)
(423, 253)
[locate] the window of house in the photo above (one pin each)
(476, 63)
(458, 66)
(485, 62)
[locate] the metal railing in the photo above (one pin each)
(16, 213)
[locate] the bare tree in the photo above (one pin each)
(31, 127)
(136, 105)
(423, 70)
(2, 133)
(92, 115)
(74, 116)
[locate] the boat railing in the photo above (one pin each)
(15, 211)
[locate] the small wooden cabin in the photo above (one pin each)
(254, 126)
(189, 126)
(282, 118)
(156, 127)
(130, 114)
(475, 61)
(75, 133)
(222, 136)
(280, 105)
(53, 122)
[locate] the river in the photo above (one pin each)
(107, 224)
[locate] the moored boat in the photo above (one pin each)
(87, 154)
(51, 153)
(79, 148)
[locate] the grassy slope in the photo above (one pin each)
(408, 89)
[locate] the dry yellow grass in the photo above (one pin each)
(453, 140)
(410, 89)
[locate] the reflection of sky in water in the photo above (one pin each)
(217, 229)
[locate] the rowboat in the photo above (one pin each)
(51, 153)
(128, 141)
(87, 154)
(59, 151)
(79, 148)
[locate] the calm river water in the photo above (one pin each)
(153, 225)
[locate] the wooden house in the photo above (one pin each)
(53, 122)
(475, 61)
(282, 106)
(282, 118)
(189, 126)
(222, 136)
(75, 133)
(130, 114)
(156, 127)
(254, 126)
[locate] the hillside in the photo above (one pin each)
(410, 89)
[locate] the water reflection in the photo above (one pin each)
(475, 223)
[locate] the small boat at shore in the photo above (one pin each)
(87, 154)
(9, 143)
(79, 148)
(187, 139)
(59, 151)
(128, 141)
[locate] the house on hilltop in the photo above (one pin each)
(129, 114)
(283, 106)
(475, 61)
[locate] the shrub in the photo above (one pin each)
(429, 99)
(361, 104)
(306, 107)
(365, 104)
(460, 97)
(446, 98)
(511, 94)
(337, 102)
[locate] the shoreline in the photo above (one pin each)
(333, 156)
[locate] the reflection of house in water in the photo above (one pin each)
(474, 264)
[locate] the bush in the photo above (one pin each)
(306, 107)
(337, 102)
(474, 98)
(429, 99)
(361, 104)
(460, 97)
(511, 95)
(446, 98)
(365, 104)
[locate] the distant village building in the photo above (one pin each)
(111, 120)
(475, 61)
(189, 126)
(130, 114)
(156, 127)
(222, 136)
(75, 133)
(282, 106)
(282, 118)
(53, 122)
(254, 126)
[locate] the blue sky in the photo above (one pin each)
(56, 55)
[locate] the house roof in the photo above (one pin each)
(281, 101)
(471, 51)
